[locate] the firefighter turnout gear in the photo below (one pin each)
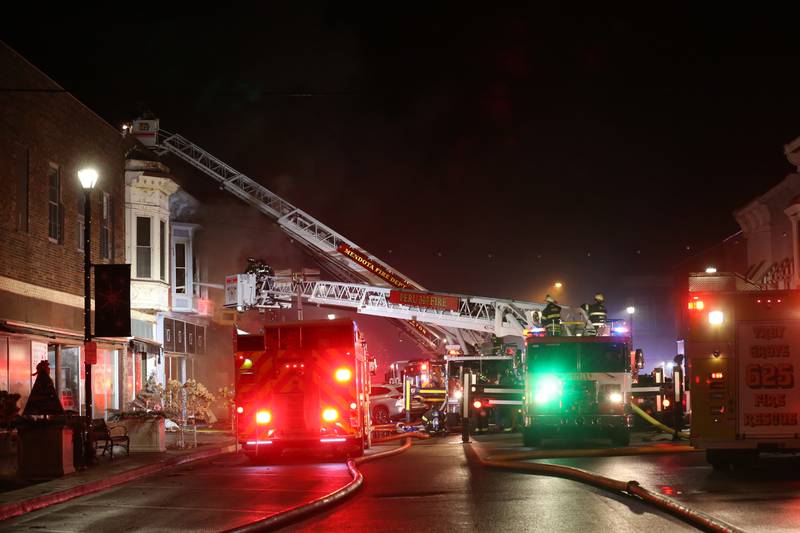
(551, 317)
(597, 312)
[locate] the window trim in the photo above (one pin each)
(149, 246)
(107, 225)
(58, 239)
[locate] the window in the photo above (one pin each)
(106, 235)
(53, 203)
(81, 226)
(195, 271)
(69, 377)
(180, 267)
(143, 247)
(162, 251)
(21, 174)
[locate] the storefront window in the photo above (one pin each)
(105, 383)
(4, 363)
(68, 378)
(19, 369)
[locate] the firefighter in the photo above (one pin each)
(597, 311)
(551, 316)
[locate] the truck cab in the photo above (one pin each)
(577, 387)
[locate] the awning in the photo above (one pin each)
(56, 336)
(143, 345)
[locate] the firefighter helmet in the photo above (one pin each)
(599, 297)
(549, 299)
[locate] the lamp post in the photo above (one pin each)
(88, 179)
(631, 310)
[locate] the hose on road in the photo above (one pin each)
(630, 488)
(307, 509)
(658, 424)
(654, 449)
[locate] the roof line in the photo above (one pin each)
(63, 90)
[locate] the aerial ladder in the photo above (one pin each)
(340, 256)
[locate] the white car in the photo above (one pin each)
(386, 402)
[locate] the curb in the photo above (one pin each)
(10, 510)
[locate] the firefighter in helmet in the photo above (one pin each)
(597, 311)
(551, 316)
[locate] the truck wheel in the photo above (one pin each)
(531, 438)
(718, 459)
(380, 415)
(742, 459)
(620, 437)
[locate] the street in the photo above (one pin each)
(212, 496)
(436, 486)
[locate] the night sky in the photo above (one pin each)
(478, 151)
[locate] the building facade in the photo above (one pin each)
(46, 136)
(771, 227)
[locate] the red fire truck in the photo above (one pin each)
(303, 385)
(741, 347)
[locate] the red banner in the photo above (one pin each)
(379, 270)
(424, 299)
(90, 353)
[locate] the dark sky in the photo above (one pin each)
(476, 150)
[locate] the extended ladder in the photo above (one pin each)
(472, 313)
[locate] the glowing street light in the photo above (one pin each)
(631, 309)
(88, 178)
(558, 284)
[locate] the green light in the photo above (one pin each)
(547, 388)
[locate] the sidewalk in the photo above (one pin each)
(106, 473)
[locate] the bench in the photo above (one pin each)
(110, 436)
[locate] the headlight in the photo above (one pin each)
(547, 388)
(263, 418)
(715, 318)
(615, 397)
(398, 403)
(458, 395)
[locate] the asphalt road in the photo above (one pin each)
(213, 496)
(764, 497)
(435, 486)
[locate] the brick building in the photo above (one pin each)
(46, 136)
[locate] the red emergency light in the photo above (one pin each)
(717, 375)
(424, 366)
(477, 404)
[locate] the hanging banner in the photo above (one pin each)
(424, 299)
(112, 295)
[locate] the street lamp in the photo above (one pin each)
(88, 179)
(558, 284)
(631, 310)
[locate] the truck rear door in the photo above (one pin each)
(769, 397)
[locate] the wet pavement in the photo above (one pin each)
(436, 486)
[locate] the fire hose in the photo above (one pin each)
(304, 510)
(628, 488)
(658, 424)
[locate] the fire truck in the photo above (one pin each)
(303, 385)
(741, 345)
(579, 386)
